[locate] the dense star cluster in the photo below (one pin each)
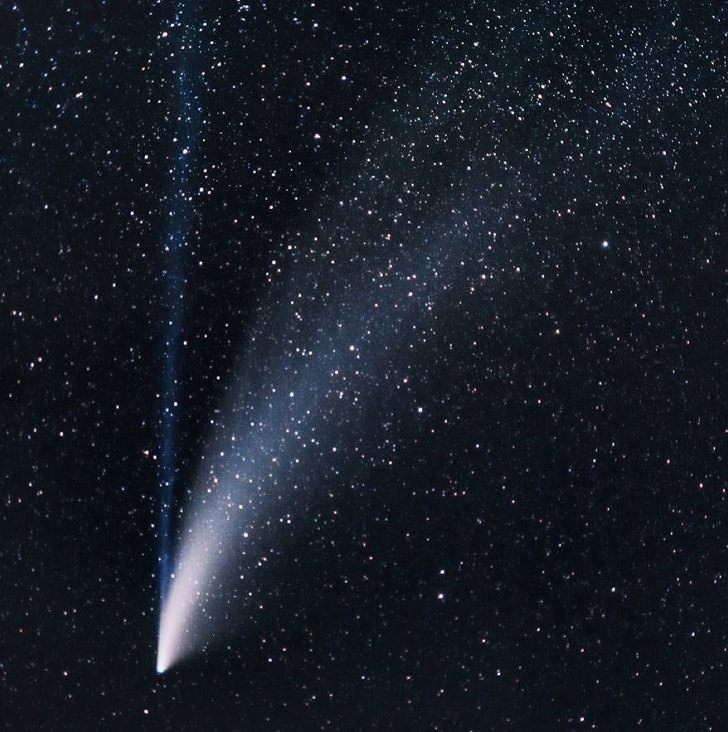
(393, 336)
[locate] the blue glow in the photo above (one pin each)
(180, 212)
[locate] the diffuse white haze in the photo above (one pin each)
(314, 377)
(327, 338)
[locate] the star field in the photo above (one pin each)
(425, 305)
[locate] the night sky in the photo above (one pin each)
(428, 301)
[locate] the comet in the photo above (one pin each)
(299, 398)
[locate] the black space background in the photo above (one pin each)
(584, 541)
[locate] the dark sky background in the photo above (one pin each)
(525, 524)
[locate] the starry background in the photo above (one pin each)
(516, 213)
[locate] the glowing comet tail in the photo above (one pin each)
(255, 447)
(294, 406)
(179, 222)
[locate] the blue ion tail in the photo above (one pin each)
(179, 218)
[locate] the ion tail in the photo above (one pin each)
(180, 212)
